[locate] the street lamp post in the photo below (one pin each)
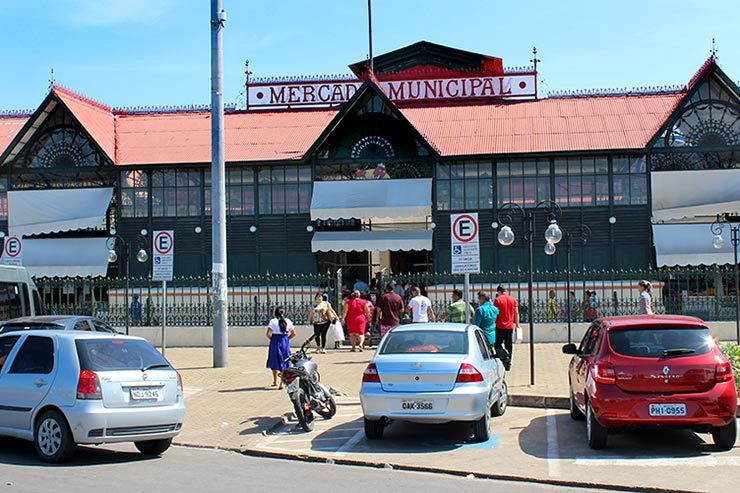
(718, 242)
(116, 240)
(585, 234)
(553, 235)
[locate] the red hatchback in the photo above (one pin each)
(657, 371)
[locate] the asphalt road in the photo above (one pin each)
(122, 469)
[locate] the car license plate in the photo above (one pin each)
(145, 394)
(660, 410)
(293, 386)
(415, 406)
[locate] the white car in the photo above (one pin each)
(63, 388)
(433, 373)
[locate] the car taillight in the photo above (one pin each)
(468, 374)
(88, 385)
(371, 374)
(604, 373)
(180, 389)
(723, 372)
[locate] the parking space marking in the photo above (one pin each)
(553, 451)
(702, 461)
(347, 447)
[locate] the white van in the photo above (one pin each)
(18, 294)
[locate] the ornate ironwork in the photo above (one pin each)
(678, 161)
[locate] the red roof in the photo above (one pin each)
(96, 118)
(545, 125)
(9, 127)
(186, 137)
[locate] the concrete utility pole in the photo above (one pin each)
(218, 192)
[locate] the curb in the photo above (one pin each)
(539, 401)
(262, 454)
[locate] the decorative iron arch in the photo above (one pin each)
(704, 124)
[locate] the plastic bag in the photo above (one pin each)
(519, 335)
(338, 331)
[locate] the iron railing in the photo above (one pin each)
(706, 293)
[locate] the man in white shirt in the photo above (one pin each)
(420, 307)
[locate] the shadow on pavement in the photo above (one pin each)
(21, 453)
(259, 424)
(250, 389)
(624, 444)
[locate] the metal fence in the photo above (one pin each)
(706, 293)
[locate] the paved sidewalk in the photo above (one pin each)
(232, 407)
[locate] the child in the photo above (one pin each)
(280, 331)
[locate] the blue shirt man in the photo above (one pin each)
(485, 317)
(361, 286)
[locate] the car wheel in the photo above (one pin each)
(153, 447)
(725, 436)
(499, 408)
(374, 429)
(52, 438)
(575, 413)
(595, 432)
(482, 428)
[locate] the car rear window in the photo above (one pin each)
(654, 343)
(17, 327)
(431, 341)
(118, 354)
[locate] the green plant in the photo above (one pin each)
(732, 351)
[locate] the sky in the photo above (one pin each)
(157, 52)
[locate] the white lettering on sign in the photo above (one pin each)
(163, 258)
(333, 92)
(13, 251)
(464, 234)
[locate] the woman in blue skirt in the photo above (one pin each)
(280, 331)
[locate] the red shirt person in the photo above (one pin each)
(506, 322)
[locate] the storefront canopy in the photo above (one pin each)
(371, 199)
(371, 241)
(691, 194)
(65, 257)
(690, 244)
(33, 212)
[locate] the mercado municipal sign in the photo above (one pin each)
(330, 92)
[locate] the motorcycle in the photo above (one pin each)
(306, 392)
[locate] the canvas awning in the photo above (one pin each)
(372, 241)
(690, 194)
(690, 244)
(371, 199)
(33, 212)
(65, 257)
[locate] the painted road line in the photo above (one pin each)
(701, 461)
(347, 447)
(325, 439)
(553, 451)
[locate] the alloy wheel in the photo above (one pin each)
(49, 436)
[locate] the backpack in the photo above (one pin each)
(593, 302)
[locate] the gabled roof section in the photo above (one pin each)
(427, 53)
(94, 117)
(10, 125)
(369, 87)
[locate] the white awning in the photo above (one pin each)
(371, 199)
(65, 257)
(33, 212)
(371, 241)
(690, 194)
(690, 244)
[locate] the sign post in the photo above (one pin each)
(465, 249)
(163, 262)
(13, 251)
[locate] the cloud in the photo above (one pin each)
(108, 12)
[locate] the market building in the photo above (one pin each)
(362, 172)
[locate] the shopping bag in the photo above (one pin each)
(338, 331)
(519, 334)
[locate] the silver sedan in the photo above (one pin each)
(63, 388)
(433, 373)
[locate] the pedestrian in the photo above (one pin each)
(361, 286)
(593, 305)
(485, 317)
(389, 310)
(420, 307)
(355, 316)
(280, 331)
(506, 322)
(455, 312)
(645, 301)
(370, 321)
(552, 305)
(135, 310)
(320, 316)
(590, 304)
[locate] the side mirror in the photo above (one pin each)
(570, 349)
